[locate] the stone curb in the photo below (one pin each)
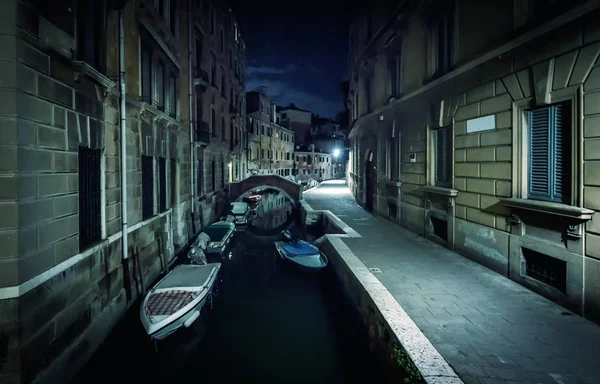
(429, 362)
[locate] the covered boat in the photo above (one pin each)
(240, 212)
(300, 252)
(219, 235)
(177, 299)
(253, 199)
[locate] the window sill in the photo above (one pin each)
(392, 183)
(83, 68)
(442, 191)
(150, 110)
(549, 208)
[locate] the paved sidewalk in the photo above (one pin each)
(489, 328)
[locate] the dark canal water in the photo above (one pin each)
(269, 323)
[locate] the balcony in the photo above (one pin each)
(202, 132)
(200, 78)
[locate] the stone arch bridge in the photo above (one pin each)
(238, 188)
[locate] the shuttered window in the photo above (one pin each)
(550, 153)
(443, 157)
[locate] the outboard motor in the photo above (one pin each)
(287, 235)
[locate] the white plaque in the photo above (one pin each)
(485, 123)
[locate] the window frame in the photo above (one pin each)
(520, 148)
(433, 137)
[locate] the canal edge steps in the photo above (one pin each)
(375, 303)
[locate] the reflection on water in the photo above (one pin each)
(274, 211)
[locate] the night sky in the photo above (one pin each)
(297, 49)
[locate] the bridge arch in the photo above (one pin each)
(239, 188)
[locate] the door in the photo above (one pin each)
(371, 181)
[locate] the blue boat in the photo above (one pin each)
(300, 252)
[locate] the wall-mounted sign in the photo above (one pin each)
(485, 123)
(413, 158)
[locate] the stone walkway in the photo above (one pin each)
(489, 328)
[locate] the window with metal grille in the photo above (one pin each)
(443, 156)
(546, 269)
(147, 187)
(173, 174)
(214, 176)
(162, 184)
(173, 96)
(550, 153)
(90, 230)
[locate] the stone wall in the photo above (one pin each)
(491, 165)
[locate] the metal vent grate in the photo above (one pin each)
(546, 269)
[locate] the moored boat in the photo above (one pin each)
(300, 252)
(177, 299)
(240, 212)
(219, 236)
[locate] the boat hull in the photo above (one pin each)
(187, 314)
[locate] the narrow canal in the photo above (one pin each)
(269, 323)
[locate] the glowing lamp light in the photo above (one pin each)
(336, 152)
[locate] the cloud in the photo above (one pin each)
(284, 93)
(271, 70)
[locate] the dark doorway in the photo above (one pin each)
(371, 181)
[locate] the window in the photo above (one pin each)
(90, 34)
(198, 51)
(235, 31)
(369, 23)
(160, 86)
(442, 36)
(213, 122)
(223, 128)
(213, 21)
(161, 7)
(223, 91)
(262, 153)
(213, 69)
(173, 96)
(550, 153)
(200, 177)
(162, 184)
(394, 159)
(262, 106)
(224, 174)
(443, 156)
(214, 175)
(231, 58)
(369, 94)
(231, 96)
(146, 75)
(147, 187)
(90, 230)
(173, 175)
(395, 76)
(57, 12)
(222, 40)
(173, 16)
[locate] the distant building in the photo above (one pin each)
(319, 167)
(298, 120)
(270, 145)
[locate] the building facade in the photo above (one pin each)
(90, 163)
(483, 137)
(270, 145)
(316, 165)
(298, 120)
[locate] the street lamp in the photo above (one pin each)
(336, 153)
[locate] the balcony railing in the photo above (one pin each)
(202, 132)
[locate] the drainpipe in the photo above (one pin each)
(123, 136)
(191, 100)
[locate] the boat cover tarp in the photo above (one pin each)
(298, 248)
(187, 276)
(216, 232)
(167, 303)
(239, 208)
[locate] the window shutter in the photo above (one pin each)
(562, 154)
(440, 154)
(539, 154)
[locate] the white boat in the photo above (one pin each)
(219, 236)
(240, 211)
(300, 252)
(177, 299)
